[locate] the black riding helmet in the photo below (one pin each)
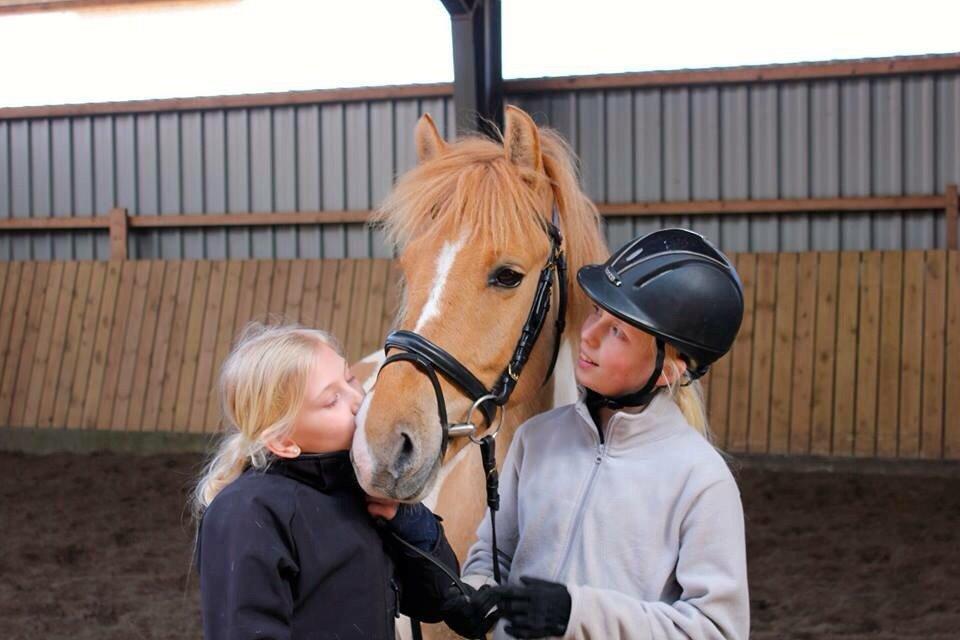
(678, 287)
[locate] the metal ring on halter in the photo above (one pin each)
(493, 430)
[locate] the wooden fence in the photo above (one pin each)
(840, 354)
(135, 345)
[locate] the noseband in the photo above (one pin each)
(430, 358)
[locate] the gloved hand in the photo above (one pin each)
(472, 615)
(536, 609)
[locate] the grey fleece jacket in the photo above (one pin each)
(645, 528)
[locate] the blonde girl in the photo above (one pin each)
(618, 518)
(287, 546)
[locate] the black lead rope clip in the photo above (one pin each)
(488, 451)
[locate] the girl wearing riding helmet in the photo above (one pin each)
(287, 545)
(618, 518)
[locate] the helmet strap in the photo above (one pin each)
(637, 398)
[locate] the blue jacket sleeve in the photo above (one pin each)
(247, 564)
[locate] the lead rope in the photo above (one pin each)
(488, 451)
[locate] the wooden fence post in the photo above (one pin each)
(951, 211)
(118, 234)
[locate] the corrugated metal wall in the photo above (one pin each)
(799, 139)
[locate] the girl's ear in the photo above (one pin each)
(673, 370)
(282, 447)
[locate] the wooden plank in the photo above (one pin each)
(278, 292)
(801, 401)
(934, 353)
(261, 295)
(328, 292)
(951, 214)
(38, 370)
(118, 334)
(742, 357)
(101, 345)
(21, 382)
(810, 206)
(311, 293)
(719, 407)
(8, 287)
(161, 343)
(178, 336)
(245, 296)
(780, 416)
(848, 301)
(225, 332)
(191, 348)
(208, 345)
(372, 337)
(88, 344)
(58, 345)
(16, 296)
(888, 409)
(295, 292)
(118, 234)
(4, 268)
(821, 432)
(868, 354)
(763, 346)
(15, 325)
(148, 336)
(353, 333)
(342, 301)
(951, 426)
(136, 314)
(911, 355)
(72, 346)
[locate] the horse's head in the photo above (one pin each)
(470, 222)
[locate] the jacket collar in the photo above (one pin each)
(326, 472)
(633, 427)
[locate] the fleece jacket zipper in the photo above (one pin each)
(578, 517)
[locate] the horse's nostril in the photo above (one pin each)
(406, 450)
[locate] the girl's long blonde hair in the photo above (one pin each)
(261, 385)
(688, 394)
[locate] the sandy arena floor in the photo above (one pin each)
(99, 546)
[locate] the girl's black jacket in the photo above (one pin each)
(291, 552)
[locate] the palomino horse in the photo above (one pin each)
(469, 221)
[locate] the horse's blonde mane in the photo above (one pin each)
(471, 186)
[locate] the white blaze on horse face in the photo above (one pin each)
(444, 262)
(360, 449)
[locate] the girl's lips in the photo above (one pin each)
(585, 362)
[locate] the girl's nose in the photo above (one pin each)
(589, 332)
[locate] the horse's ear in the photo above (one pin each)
(429, 141)
(521, 139)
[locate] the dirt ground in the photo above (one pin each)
(99, 546)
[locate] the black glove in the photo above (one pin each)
(535, 610)
(472, 615)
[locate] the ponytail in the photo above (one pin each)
(689, 397)
(688, 394)
(226, 465)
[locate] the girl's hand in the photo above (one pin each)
(382, 508)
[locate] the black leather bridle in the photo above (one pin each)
(429, 357)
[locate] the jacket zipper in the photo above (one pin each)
(575, 529)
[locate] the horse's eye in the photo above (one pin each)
(505, 277)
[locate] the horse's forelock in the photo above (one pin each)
(470, 187)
